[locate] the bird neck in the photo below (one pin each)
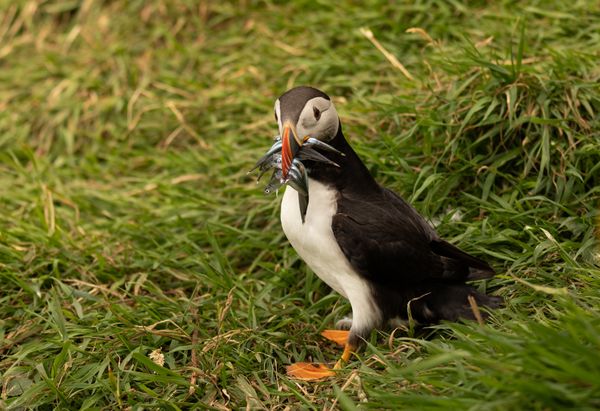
(351, 175)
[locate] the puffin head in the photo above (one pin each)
(301, 113)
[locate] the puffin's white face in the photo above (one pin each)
(318, 119)
(301, 113)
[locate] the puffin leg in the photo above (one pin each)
(348, 350)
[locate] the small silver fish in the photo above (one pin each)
(297, 176)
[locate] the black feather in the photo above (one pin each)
(394, 248)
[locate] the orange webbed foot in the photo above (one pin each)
(313, 372)
(339, 337)
(308, 371)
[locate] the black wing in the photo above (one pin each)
(387, 241)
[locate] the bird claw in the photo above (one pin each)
(344, 324)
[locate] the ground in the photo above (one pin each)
(141, 266)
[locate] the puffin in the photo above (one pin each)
(363, 240)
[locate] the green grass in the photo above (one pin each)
(128, 223)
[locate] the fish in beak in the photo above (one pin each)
(285, 158)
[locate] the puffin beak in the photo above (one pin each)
(290, 144)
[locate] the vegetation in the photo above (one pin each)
(131, 234)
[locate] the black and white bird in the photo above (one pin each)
(362, 239)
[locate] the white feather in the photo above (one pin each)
(315, 242)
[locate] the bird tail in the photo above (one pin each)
(459, 264)
(451, 303)
(480, 274)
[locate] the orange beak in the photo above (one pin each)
(290, 144)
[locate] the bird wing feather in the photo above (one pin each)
(388, 242)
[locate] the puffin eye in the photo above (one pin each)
(276, 119)
(317, 113)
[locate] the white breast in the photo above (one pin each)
(314, 241)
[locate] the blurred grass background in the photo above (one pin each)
(129, 229)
